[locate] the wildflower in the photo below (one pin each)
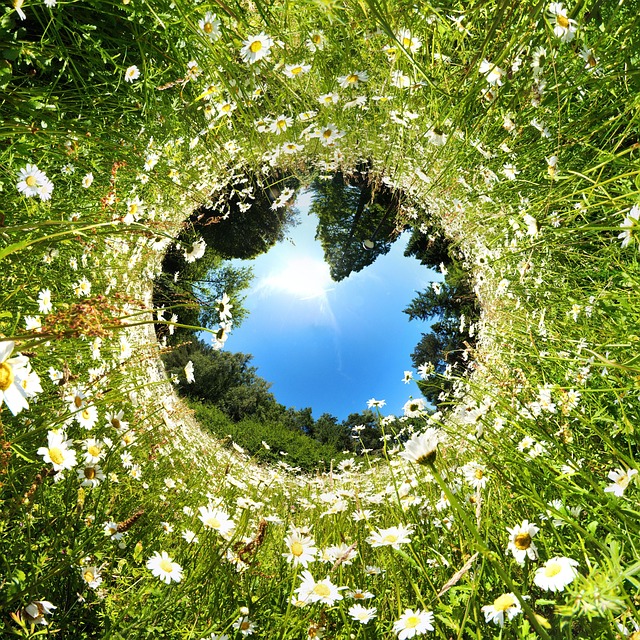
(556, 574)
(190, 536)
(506, 605)
(587, 55)
(34, 182)
(353, 79)
(414, 408)
(210, 24)
(323, 591)
(87, 181)
(32, 323)
(44, 301)
(14, 371)
(408, 376)
(58, 451)
(163, 567)
(425, 370)
(116, 420)
(132, 73)
(188, 372)
(362, 614)
(291, 147)
(111, 529)
(413, 623)
(564, 28)
(510, 171)
(134, 210)
(437, 137)
(359, 594)
(280, 124)
(245, 626)
(328, 135)
(217, 520)
(629, 225)
(82, 287)
(620, 481)
(492, 72)
(91, 575)
(474, 474)
(372, 402)
(399, 79)
(391, 537)
(423, 447)
(91, 475)
(93, 450)
(300, 549)
(256, 48)
(38, 609)
(87, 418)
(328, 98)
(295, 70)
(521, 544)
(408, 41)
(196, 252)
(315, 42)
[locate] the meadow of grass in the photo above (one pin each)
(512, 512)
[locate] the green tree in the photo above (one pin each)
(224, 379)
(349, 212)
(246, 233)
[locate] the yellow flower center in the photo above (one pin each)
(316, 38)
(226, 108)
(166, 566)
(31, 181)
(214, 523)
(93, 451)
(327, 133)
(406, 42)
(255, 46)
(115, 423)
(479, 474)
(352, 78)
(244, 625)
(133, 208)
(56, 455)
(208, 27)
(89, 473)
(522, 541)
(321, 590)
(85, 414)
(296, 70)
(390, 538)
(504, 602)
(411, 622)
(88, 576)
(552, 569)
(6, 376)
(77, 401)
(358, 596)
(562, 21)
(297, 549)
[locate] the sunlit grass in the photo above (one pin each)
(514, 128)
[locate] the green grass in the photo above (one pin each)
(558, 291)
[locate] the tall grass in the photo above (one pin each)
(515, 127)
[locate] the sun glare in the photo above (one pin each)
(303, 278)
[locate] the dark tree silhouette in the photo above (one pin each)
(349, 211)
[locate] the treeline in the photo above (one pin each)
(452, 309)
(232, 401)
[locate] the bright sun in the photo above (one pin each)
(304, 278)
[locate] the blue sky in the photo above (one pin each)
(326, 345)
